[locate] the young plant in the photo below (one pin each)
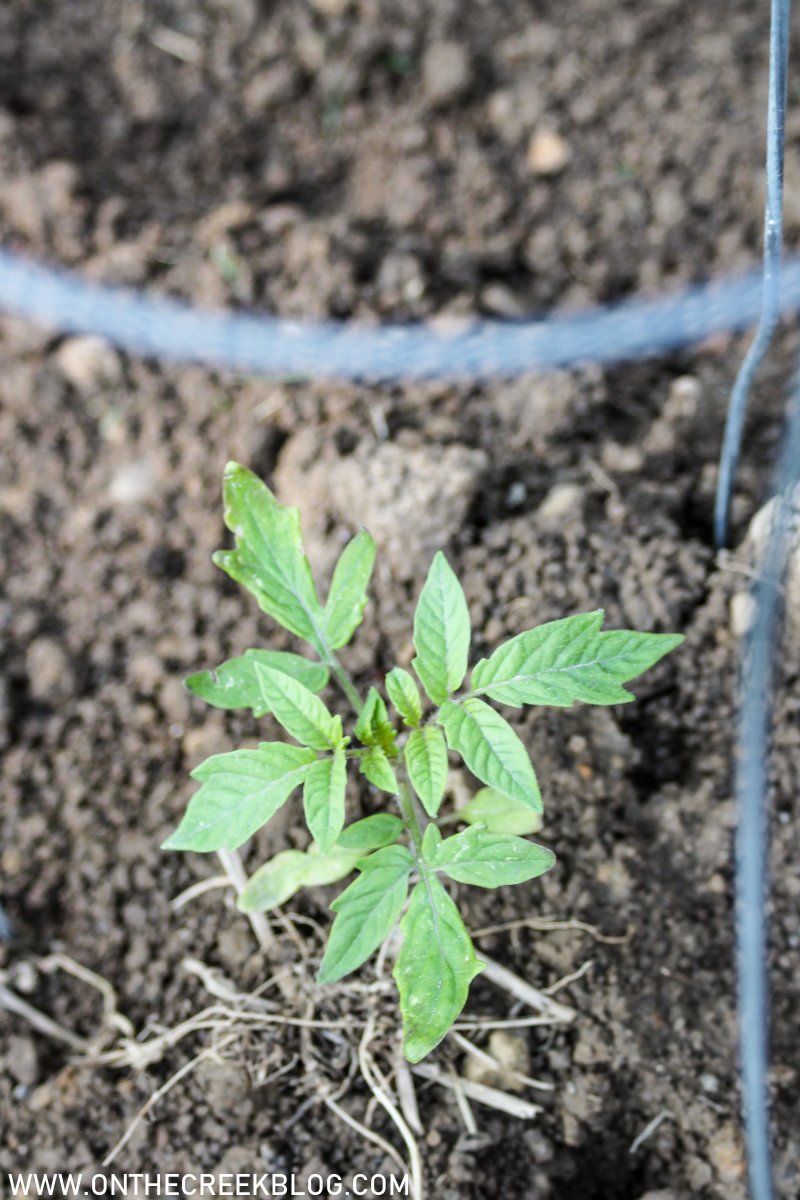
(404, 756)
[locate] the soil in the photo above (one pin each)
(383, 159)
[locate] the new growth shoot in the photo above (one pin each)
(400, 857)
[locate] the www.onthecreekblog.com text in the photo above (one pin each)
(242, 1185)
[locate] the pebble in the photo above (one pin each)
(516, 495)
(132, 483)
(445, 72)
(49, 671)
(754, 549)
(698, 1174)
(562, 503)
(330, 8)
(742, 613)
(89, 363)
(548, 152)
(22, 1061)
(621, 460)
(269, 88)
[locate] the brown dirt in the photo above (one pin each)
(347, 165)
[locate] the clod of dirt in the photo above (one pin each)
(537, 407)
(412, 499)
(725, 1152)
(510, 1052)
(36, 202)
(224, 1084)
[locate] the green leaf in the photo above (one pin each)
(499, 814)
(240, 792)
(347, 598)
(426, 760)
(323, 869)
(434, 969)
(441, 632)
(279, 879)
(234, 684)
(371, 833)
(366, 911)
(491, 859)
(274, 883)
(404, 695)
(299, 711)
(269, 559)
(570, 660)
(376, 767)
(323, 798)
(373, 727)
(491, 750)
(431, 838)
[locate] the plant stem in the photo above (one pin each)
(345, 682)
(342, 677)
(234, 869)
(405, 796)
(405, 799)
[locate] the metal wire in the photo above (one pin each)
(755, 719)
(773, 249)
(167, 329)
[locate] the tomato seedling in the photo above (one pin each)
(405, 755)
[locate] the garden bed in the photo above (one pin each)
(322, 162)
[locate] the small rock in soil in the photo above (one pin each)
(21, 1061)
(89, 363)
(562, 503)
(742, 613)
(445, 72)
(132, 483)
(330, 8)
(548, 152)
(49, 671)
(754, 550)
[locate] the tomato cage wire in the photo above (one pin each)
(758, 659)
(167, 329)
